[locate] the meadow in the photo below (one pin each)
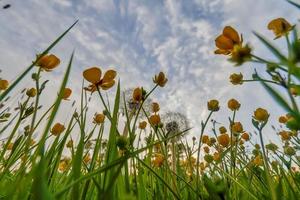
(148, 157)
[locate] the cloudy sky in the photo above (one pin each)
(139, 38)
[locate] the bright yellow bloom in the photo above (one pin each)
(66, 93)
(3, 84)
(280, 27)
(224, 140)
(240, 54)
(245, 136)
(282, 119)
(237, 127)
(258, 160)
(206, 149)
(142, 125)
(233, 104)
(57, 129)
(158, 160)
(31, 92)
(285, 135)
(70, 144)
(261, 115)
(227, 40)
(93, 75)
(222, 129)
(154, 120)
(213, 105)
(205, 139)
(137, 95)
(236, 79)
(99, 118)
(155, 107)
(87, 159)
(48, 62)
(160, 79)
(217, 156)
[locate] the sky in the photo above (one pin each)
(140, 38)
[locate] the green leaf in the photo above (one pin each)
(274, 50)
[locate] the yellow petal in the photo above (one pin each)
(222, 51)
(224, 43)
(232, 34)
(92, 75)
(107, 85)
(67, 93)
(109, 75)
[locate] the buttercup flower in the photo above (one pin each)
(236, 79)
(245, 136)
(99, 118)
(154, 119)
(240, 54)
(205, 139)
(93, 75)
(158, 160)
(155, 107)
(223, 140)
(160, 79)
(142, 125)
(48, 62)
(282, 119)
(57, 129)
(261, 115)
(137, 95)
(285, 135)
(66, 93)
(222, 129)
(31, 92)
(233, 104)
(237, 127)
(280, 27)
(213, 105)
(3, 84)
(227, 40)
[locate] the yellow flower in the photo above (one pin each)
(233, 104)
(160, 79)
(261, 115)
(280, 27)
(206, 149)
(158, 160)
(227, 40)
(154, 120)
(237, 127)
(155, 107)
(99, 118)
(285, 135)
(93, 75)
(142, 125)
(240, 54)
(70, 144)
(222, 129)
(48, 62)
(137, 95)
(57, 129)
(64, 164)
(245, 136)
(31, 92)
(66, 93)
(87, 159)
(236, 79)
(282, 119)
(205, 139)
(216, 156)
(257, 160)
(213, 105)
(224, 140)
(3, 84)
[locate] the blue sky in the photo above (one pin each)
(138, 39)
